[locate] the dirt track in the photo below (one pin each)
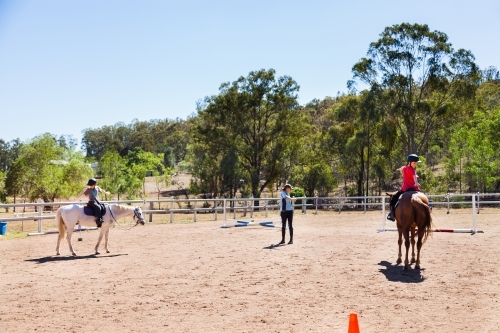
(200, 278)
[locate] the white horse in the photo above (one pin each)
(68, 217)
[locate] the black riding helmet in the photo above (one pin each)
(92, 181)
(413, 158)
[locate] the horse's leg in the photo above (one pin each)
(412, 244)
(106, 235)
(419, 246)
(400, 242)
(99, 241)
(58, 243)
(406, 233)
(68, 237)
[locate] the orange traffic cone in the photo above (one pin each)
(353, 323)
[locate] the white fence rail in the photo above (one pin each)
(229, 207)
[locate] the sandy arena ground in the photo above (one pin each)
(198, 277)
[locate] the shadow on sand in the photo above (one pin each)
(64, 258)
(396, 273)
(273, 246)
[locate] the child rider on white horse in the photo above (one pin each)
(92, 191)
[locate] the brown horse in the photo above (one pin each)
(412, 212)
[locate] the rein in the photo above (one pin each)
(119, 225)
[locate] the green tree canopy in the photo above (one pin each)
(257, 117)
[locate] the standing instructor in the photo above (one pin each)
(286, 212)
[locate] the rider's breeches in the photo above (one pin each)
(287, 215)
(95, 207)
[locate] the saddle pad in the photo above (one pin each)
(90, 212)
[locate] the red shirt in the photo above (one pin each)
(409, 176)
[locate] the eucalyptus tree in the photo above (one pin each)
(420, 77)
(257, 117)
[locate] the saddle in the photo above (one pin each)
(88, 210)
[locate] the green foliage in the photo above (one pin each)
(475, 153)
(298, 192)
(45, 169)
(256, 117)
(422, 97)
(3, 194)
(419, 77)
(154, 136)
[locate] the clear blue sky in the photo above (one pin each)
(66, 65)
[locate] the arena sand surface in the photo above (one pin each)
(198, 277)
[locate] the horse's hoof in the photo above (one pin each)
(399, 261)
(73, 254)
(406, 268)
(417, 266)
(413, 260)
(108, 252)
(97, 252)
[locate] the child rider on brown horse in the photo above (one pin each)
(410, 182)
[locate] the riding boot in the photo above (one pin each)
(392, 215)
(283, 231)
(99, 221)
(291, 236)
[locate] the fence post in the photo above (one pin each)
(478, 199)
(383, 213)
(245, 204)
(40, 212)
(251, 207)
(215, 207)
(304, 205)
(234, 209)
(265, 204)
(195, 209)
(474, 213)
(316, 204)
(171, 209)
(225, 206)
(340, 206)
(151, 214)
(365, 205)
(448, 203)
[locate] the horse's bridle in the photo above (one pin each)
(140, 219)
(137, 215)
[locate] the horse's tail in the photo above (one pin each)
(60, 224)
(423, 207)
